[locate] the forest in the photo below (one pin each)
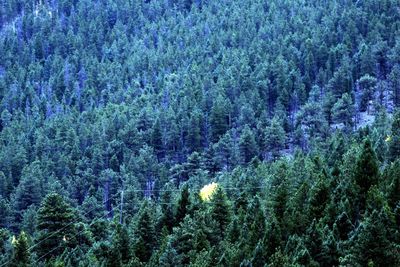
(248, 133)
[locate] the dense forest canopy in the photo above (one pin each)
(199, 133)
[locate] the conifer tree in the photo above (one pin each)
(121, 243)
(394, 142)
(366, 169)
(367, 84)
(343, 111)
(183, 239)
(220, 210)
(256, 221)
(247, 145)
(219, 117)
(145, 239)
(258, 256)
(169, 258)
(274, 138)
(56, 226)
(372, 244)
(183, 205)
(21, 257)
(319, 196)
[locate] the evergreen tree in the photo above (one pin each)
(278, 259)
(121, 243)
(169, 258)
(342, 111)
(21, 257)
(366, 170)
(145, 239)
(5, 214)
(56, 227)
(220, 211)
(274, 138)
(319, 196)
(183, 240)
(394, 78)
(373, 246)
(394, 142)
(219, 117)
(167, 217)
(183, 205)
(367, 84)
(258, 256)
(247, 145)
(273, 238)
(255, 220)
(29, 190)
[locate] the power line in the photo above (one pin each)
(64, 227)
(75, 235)
(141, 202)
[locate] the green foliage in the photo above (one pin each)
(247, 145)
(183, 205)
(145, 238)
(220, 211)
(274, 138)
(373, 244)
(367, 84)
(343, 111)
(366, 170)
(104, 99)
(394, 142)
(21, 257)
(121, 244)
(56, 229)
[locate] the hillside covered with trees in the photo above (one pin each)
(247, 133)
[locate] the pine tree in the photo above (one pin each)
(194, 138)
(343, 110)
(313, 240)
(121, 243)
(278, 259)
(255, 220)
(219, 117)
(258, 256)
(156, 139)
(329, 255)
(56, 227)
(394, 142)
(220, 210)
(167, 217)
(319, 197)
(28, 191)
(280, 201)
(312, 119)
(395, 85)
(224, 152)
(21, 257)
(367, 84)
(5, 214)
(5, 186)
(274, 138)
(247, 145)
(183, 205)
(29, 220)
(169, 258)
(372, 244)
(366, 169)
(246, 263)
(183, 239)
(272, 240)
(145, 239)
